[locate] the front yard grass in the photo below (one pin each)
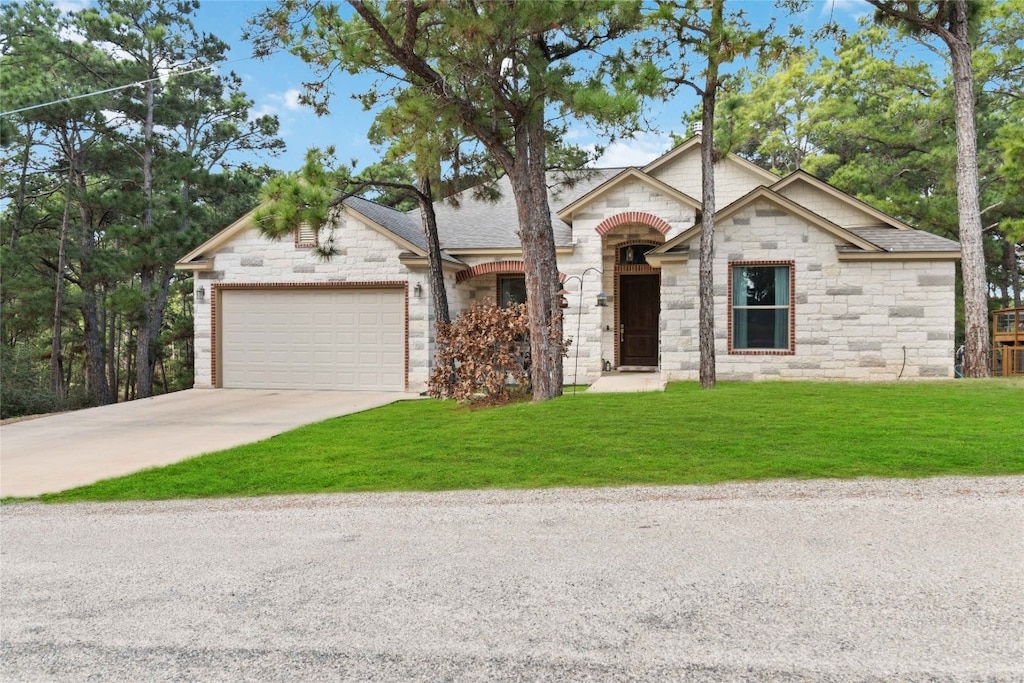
(738, 431)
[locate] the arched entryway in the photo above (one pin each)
(638, 305)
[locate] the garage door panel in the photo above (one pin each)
(313, 338)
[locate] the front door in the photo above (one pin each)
(639, 306)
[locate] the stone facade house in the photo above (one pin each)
(810, 283)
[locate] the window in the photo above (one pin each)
(761, 307)
(634, 254)
(511, 290)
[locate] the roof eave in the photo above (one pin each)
(410, 260)
(198, 265)
(899, 256)
(659, 260)
(217, 241)
(501, 251)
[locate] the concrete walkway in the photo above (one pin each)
(62, 451)
(628, 382)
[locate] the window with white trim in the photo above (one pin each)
(761, 307)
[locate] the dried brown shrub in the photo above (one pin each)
(483, 356)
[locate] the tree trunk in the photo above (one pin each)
(56, 376)
(147, 274)
(976, 356)
(435, 272)
(706, 285)
(95, 360)
(100, 392)
(113, 353)
(19, 199)
(529, 185)
(1015, 279)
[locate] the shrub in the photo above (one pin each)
(24, 385)
(483, 355)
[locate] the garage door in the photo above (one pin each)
(351, 339)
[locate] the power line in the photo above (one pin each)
(108, 90)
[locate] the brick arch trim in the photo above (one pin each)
(633, 217)
(495, 267)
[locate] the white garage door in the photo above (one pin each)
(351, 339)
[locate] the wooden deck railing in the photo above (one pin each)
(1008, 342)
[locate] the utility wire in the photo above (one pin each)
(133, 85)
(149, 80)
(114, 89)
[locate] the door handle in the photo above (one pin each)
(622, 333)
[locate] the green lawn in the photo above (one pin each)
(738, 431)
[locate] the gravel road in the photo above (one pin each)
(792, 581)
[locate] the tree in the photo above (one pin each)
(702, 27)
(494, 69)
(950, 21)
(105, 189)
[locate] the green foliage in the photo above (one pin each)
(738, 432)
(24, 384)
(878, 123)
(88, 156)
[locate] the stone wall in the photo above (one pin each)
(854, 320)
(732, 178)
(364, 255)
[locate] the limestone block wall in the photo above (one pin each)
(827, 206)
(593, 328)
(364, 256)
(732, 179)
(854, 320)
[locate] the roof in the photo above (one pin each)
(401, 224)
(471, 222)
(398, 222)
(903, 240)
(875, 242)
(468, 222)
(803, 176)
(620, 178)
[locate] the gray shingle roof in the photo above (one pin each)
(894, 240)
(477, 223)
(404, 225)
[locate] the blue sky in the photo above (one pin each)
(274, 85)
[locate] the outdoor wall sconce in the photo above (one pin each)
(201, 294)
(418, 290)
(602, 300)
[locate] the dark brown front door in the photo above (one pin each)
(639, 305)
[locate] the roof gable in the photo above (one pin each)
(767, 194)
(389, 222)
(194, 261)
(801, 176)
(629, 175)
(692, 146)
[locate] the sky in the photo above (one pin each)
(274, 85)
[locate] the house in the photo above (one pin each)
(810, 283)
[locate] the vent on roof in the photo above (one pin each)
(305, 236)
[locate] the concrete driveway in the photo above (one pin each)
(58, 452)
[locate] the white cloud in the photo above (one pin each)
(291, 99)
(637, 151)
(855, 9)
(71, 5)
(276, 103)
